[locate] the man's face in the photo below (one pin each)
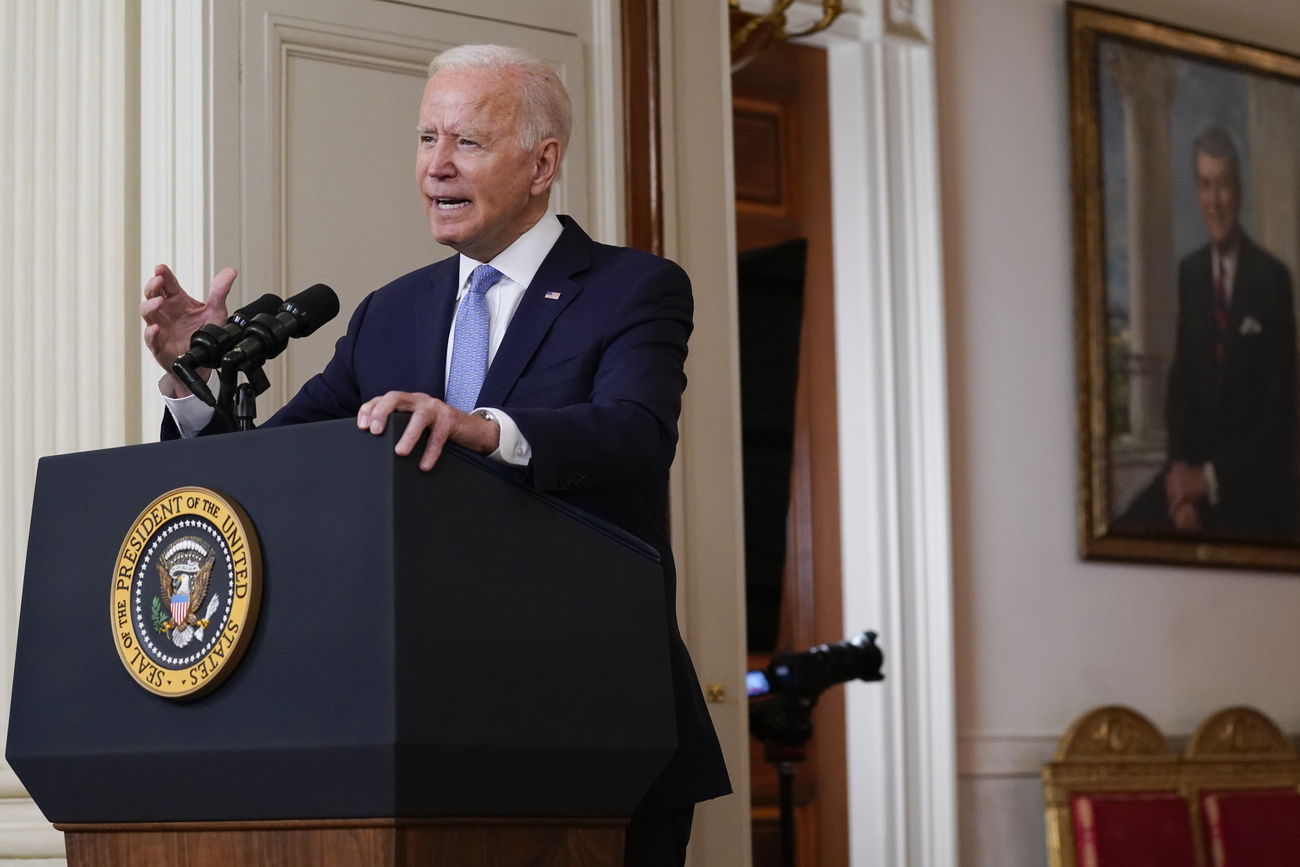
(1216, 192)
(481, 189)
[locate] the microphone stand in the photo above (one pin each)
(237, 402)
(784, 725)
(266, 336)
(246, 405)
(226, 396)
(782, 720)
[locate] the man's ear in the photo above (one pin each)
(546, 166)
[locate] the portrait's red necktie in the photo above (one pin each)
(1220, 313)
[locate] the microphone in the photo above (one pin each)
(266, 336)
(211, 342)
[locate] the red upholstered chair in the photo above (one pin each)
(1114, 797)
(1245, 774)
(1133, 829)
(1253, 827)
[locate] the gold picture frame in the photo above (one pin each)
(1186, 209)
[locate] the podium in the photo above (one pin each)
(447, 667)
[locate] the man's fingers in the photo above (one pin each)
(153, 287)
(427, 414)
(374, 413)
(171, 315)
(168, 283)
(432, 452)
(437, 438)
(420, 420)
(363, 415)
(220, 287)
(368, 414)
(150, 305)
(430, 415)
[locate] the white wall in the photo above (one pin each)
(1040, 635)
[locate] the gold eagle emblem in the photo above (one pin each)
(198, 592)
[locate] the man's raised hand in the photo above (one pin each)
(170, 316)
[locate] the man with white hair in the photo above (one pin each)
(537, 346)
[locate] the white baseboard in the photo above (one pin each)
(25, 837)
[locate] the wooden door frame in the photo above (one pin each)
(892, 387)
(642, 164)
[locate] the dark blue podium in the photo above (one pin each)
(435, 652)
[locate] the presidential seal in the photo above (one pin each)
(186, 592)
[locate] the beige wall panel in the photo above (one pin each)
(353, 216)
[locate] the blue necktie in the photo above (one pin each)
(469, 351)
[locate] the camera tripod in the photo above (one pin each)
(784, 725)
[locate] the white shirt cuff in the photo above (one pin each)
(1211, 484)
(512, 449)
(190, 414)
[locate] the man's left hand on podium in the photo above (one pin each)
(443, 422)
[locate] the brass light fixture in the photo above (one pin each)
(751, 33)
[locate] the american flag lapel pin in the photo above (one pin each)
(552, 296)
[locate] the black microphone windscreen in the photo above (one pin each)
(268, 304)
(312, 307)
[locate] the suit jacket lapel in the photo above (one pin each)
(1244, 286)
(570, 255)
(1246, 301)
(437, 309)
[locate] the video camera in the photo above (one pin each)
(812, 672)
(788, 689)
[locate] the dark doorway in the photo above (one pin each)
(781, 122)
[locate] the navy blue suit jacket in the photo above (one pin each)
(1239, 415)
(594, 380)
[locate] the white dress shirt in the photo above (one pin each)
(518, 265)
(1224, 266)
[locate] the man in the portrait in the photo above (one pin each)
(1231, 398)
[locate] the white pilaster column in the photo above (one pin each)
(66, 211)
(174, 165)
(1274, 220)
(892, 398)
(1146, 84)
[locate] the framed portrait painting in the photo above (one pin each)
(1185, 152)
